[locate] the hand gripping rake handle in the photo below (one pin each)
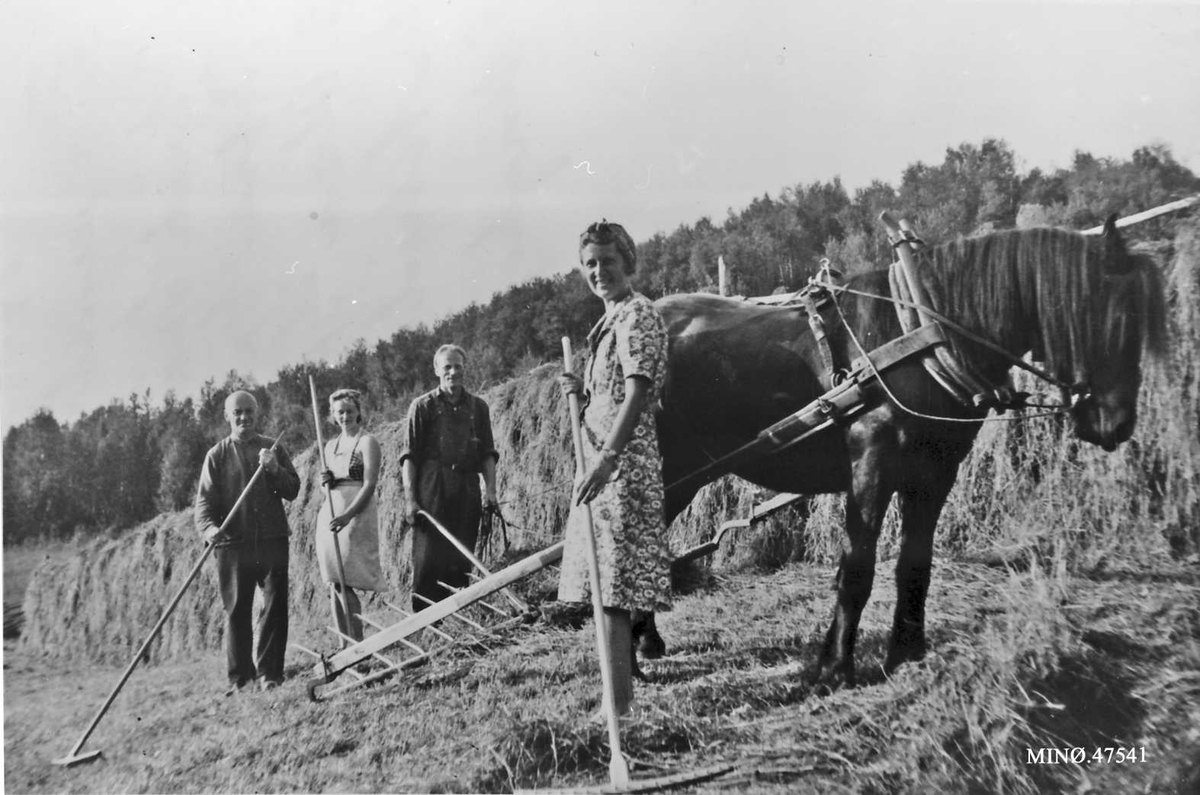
(618, 770)
(75, 757)
(337, 547)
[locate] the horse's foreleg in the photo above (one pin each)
(919, 512)
(856, 574)
(646, 639)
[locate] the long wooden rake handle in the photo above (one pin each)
(618, 769)
(337, 547)
(75, 757)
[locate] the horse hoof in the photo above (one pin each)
(828, 679)
(637, 673)
(651, 646)
(899, 655)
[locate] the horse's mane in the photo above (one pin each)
(1087, 293)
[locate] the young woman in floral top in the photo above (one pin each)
(623, 484)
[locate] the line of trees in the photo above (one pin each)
(123, 463)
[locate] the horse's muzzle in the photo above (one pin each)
(1104, 423)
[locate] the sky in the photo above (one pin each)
(189, 189)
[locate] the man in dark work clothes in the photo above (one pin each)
(447, 446)
(253, 550)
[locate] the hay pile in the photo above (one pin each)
(101, 603)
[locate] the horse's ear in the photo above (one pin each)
(1118, 255)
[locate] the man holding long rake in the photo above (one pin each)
(446, 450)
(252, 549)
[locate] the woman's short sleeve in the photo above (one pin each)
(641, 338)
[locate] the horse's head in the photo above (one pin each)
(1120, 316)
(1107, 412)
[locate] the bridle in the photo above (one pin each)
(1070, 395)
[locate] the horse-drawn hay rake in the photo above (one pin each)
(400, 637)
(365, 662)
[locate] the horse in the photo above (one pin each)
(1084, 306)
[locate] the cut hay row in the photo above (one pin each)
(1027, 491)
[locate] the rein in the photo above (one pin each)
(824, 280)
(1014, 400)
(848, 397)
(1013, 359)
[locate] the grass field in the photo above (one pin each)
(1020, 660)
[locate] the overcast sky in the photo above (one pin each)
(187, 189)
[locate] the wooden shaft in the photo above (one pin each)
(908, 265)
(618, 772)
(337, 547)
(517, 602)
(1137, 218)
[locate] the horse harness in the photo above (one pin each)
(849, 383)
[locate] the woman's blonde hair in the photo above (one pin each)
(604, 232)
(353, 395)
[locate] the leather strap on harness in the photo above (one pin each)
(817, 324)
(836, 405)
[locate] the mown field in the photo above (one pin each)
(1021, 660)
(1064, 613)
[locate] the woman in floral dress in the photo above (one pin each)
(622, 483)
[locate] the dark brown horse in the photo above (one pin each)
(1084, 306)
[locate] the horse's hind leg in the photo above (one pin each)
(919, 512)
(856, 574)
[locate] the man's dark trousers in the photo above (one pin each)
(240, 569)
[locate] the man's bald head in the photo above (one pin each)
(243, 397)
(241, 409)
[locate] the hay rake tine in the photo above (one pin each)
(482, 603)
(439, 610)
(500, 611)
(516, 601)
(75, 757)
(394, 668)
(431, 627)
(405, 641)
(473, 624)
(388, 663)
(310, 652)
